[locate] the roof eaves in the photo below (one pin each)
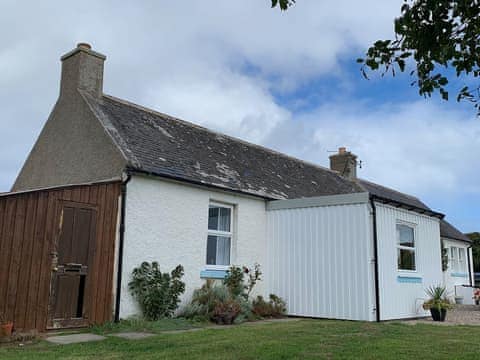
(139, 171)
(409, 207)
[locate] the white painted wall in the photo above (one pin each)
(452, 278)
(320, 261)
(167, 222)
(404, 300)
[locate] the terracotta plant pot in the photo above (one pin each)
(6, 330)
(438, 315)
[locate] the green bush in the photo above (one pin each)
(230, 301)
(235, 282)
(275, 307)
(157, 293)
(204, 301)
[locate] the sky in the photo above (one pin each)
(285, 80)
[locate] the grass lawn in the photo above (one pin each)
(305, 339)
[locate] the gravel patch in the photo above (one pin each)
(459, 315)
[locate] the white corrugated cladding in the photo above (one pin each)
(319, 260)
(403, 292)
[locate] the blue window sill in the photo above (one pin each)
(463, 275)
(409, 279)
(213, 274)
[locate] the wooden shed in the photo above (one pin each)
(57, 256)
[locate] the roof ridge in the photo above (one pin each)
(158, 113)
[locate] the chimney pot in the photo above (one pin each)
(342, 150)
(84, 45)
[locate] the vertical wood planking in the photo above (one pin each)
(97, 261)
(15, 256)
(29, 226)
(46, 262)
(25, 259)
(35, 269)
(102, 283)
(111, 251)
(9, 206)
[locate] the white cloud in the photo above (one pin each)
(218, 63)
(419, 147)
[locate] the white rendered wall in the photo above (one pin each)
(402, 299)
(453, 279)
(320, 261)
(167, 222)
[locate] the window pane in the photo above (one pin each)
(405, 235)
(213, 218)
(211, 250)
(224, 221)
(461, 254)
(219, 218)
(406, 259)
(223, 250)
(218, 250)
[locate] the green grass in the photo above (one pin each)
(304, 339)
(148, 326)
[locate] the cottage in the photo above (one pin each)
(110, 184)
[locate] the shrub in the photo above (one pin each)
(235, 283)
(229, 301)
(157, 293)
(225, 312)
(204, 301)
(275, 307)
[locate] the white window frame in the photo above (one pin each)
(456, 264)
(453, 259)
(462, 262)
(401, 247)
(220, 233)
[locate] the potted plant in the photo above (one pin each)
(5, 327)
(438, 303)
(476, 296)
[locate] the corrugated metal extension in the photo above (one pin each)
(320, 260)
(400, 298)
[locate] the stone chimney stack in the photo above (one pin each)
(82, 68)
(345, 163)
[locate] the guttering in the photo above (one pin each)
(469, 258)
(375, 259)
(401, 205)
(132, 170)
(120, 246)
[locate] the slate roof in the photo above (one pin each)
(393, 195)
(162, 145)
(159, 144)
(447, 230)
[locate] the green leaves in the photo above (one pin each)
(157, 293)
(283, 4)
(432, 36)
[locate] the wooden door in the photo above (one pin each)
(71, 261)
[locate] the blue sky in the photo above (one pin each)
(285, 80)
